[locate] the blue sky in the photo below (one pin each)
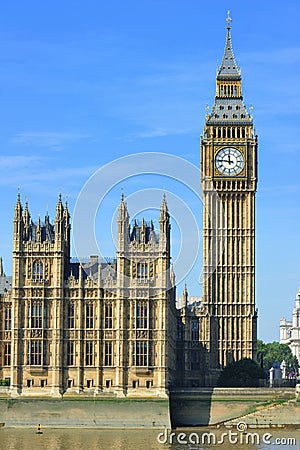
(84, 83)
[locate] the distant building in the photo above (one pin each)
(290, 330)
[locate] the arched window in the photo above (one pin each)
(38, 271)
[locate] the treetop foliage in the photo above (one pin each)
(273, 352)
(243, 373)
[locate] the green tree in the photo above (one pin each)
(243, 373)
(273, 352)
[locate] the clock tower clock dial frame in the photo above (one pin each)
(229, 179)
(229, 161)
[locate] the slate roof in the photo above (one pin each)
(228, 66)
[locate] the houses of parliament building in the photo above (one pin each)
(112, 326)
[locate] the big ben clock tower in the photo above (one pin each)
(229, 178)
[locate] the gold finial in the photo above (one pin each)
(228, 20)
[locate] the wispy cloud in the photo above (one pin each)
(50, 139)
(158, 132)
(68, 175)
(17, 162)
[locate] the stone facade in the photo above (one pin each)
(90, 327)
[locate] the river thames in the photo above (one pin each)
(193, 439)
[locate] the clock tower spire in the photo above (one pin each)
(229, 177)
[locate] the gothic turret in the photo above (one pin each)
(185, 296)
(123, 225)
(59, 219)
(164, 226)
(18, 208)
(39, 230)
(18, 223)
(26, 218)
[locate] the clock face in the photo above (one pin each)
(229, 161)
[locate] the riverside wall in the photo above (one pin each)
(260, 407)
(215, 406)
(85, 412)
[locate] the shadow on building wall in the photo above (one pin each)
(190, 408)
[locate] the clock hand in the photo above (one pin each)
(230, 161)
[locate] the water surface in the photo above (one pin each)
(90, 439)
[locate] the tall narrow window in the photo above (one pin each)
(142, 270)
(71, 315)
(108, 315)
(70, 353)
(8, 318)
(195, 330)
(140, 354)
(7, 354)
(108, 361)
(89, 315)
(35, 314)
(89, 353)
(35, 353)
(179, 331)
(141, 314)
(38, 271)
